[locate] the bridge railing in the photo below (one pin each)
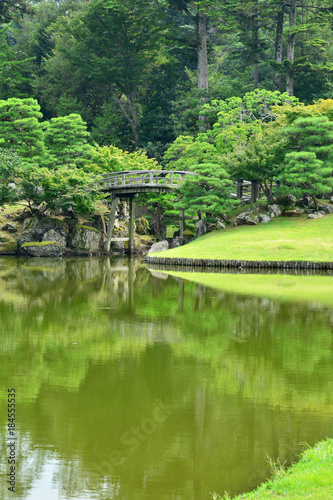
(169, 178)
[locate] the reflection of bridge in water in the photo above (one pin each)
(129, 184)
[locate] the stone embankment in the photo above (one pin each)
(23, 234)
(250, 264)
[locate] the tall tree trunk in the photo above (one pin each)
(202, 60)
(255, 35)
(131, 116)
(291, 50)
(278, 43)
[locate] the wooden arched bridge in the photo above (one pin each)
(129, 184)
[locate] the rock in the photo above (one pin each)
(274, 210)
(331, 199)
(264, 219)
(251, 222)
(225, 218)
(288, 200)
(42, 249)
(22, 216)
(41, 226)
(53, 235)
(118, 246)
(327, 209)
(157, 224)
(201, 227)
(220, 224)
(12, 185)
(122, 210)
(316, 215)
(160, 246)
(8, 246)
(178, 241)
(141, 226)
(308, 202)
(10, 228)
(244, 219)
(87, 239)
(100, 223)
(294, 212)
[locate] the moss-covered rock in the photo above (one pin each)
(142, 226)
(42, 249)
(87, 239)
(8, 246)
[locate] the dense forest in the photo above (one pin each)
(225, 88)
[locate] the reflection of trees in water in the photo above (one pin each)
(93, 348)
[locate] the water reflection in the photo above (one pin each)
(135, 385)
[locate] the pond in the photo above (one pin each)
(133, 384)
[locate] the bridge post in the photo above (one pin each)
(131, 225)
(112, 217)
(254, 191)
(181, 222)
(239, 189)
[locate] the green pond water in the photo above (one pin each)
(134, 385)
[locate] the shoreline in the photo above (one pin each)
(246, 264)
(310, 477)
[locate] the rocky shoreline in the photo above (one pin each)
(55, 236)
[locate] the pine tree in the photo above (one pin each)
(305, 175)
(20, 129)
(66, 139)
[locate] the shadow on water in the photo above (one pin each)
(133, 384)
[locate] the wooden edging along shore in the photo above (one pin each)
(252, 264)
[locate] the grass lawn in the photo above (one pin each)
(283, 238)
(282, 287)
(311, 477)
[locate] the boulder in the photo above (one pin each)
(160, 246)
(288, 199)
(331, 199)
(294, 212)
(141, 226)
(8, 246)
(327, 209)
(39, 227)
(55, 236)
(201, 227)
(10, 228)
(308, 202)
(100, 223)
(225, 218)
(274, 210)
(316, 215)
(264, 219)
(178, 241)
(87, 240)
(118, 246)
(42, 249)
(157, 224)
(244, 219)
(220, 224)
(122, 210)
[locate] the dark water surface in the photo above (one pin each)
(133, 385)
